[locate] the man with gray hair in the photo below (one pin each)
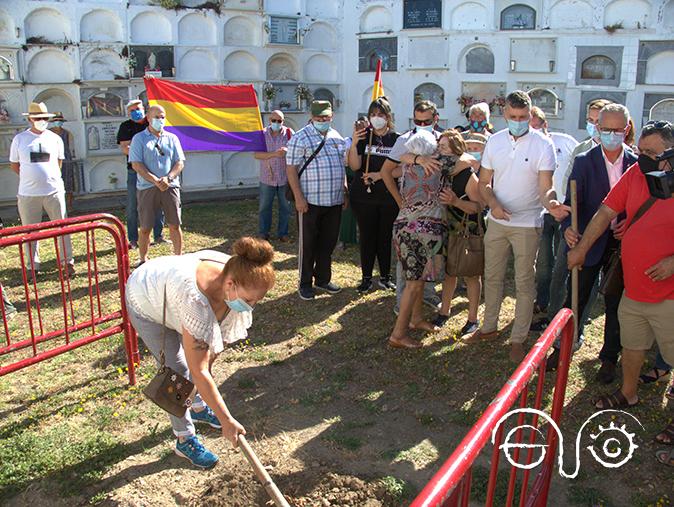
(516, 183)
(157, 157)
(596, 172)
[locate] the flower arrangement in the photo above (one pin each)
(497, 102)
(284, 105)
(303, 92)
(268, 91)
(465, 101)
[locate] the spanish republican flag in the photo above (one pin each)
(378, 88)
(209, 117)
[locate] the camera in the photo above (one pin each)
(661, 183)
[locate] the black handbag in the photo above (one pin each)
(612, 280)
(169, 389)
(289, 191)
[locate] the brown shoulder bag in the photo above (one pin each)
(169, 389)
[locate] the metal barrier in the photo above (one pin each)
(451, 485)
(99, 321)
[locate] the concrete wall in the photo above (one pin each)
(65, 52)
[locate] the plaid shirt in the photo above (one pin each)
(273, 170)
(322, 182)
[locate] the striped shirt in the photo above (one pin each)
(273, 170)
(323, 180)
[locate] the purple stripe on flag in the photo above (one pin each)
(203, 139)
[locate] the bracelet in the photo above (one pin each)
(415, 159)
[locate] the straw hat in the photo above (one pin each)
(38, 110)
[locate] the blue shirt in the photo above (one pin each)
(158, 155)
(323, 180)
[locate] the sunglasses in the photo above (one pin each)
(276, 121)
(158, 148)
(658, 125)
(423, 123)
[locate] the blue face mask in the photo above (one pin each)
(276, 127)
(591, 130)
(476, 155)
(137, 114)
(58, 124)
(238, 304)
(611, 140)
(158, 123)
(478, 126)
(322, 126)
(518, 128)
(427, 128)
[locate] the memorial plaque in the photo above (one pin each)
(422, 14)
(283, 30)
(428, 53)
(102, 137)
(103, 101)
(372, 50)
(533, 55)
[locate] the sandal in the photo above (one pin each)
(666, 436)
(613, 401)
(669, 393)
(653, 375)
(666, 457)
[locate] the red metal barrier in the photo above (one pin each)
(100, 322)
(451, 485)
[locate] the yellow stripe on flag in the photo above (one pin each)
(239, 119)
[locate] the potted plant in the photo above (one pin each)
(303, 94)
(269, 93)
(113, 179)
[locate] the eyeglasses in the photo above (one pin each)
(423, 123)
(276, 121)
(158, 148)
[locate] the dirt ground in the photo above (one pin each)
(339, 418)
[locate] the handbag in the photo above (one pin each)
(289, 191)
(465, 251)
(169, 389)
(612, 280)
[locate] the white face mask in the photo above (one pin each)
(40, 125)
(378, 122)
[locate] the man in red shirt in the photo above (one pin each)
(646, 311)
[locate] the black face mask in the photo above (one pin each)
(647, 164)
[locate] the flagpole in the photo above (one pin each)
(367, 160)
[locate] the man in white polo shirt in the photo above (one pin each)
(516, 183)
(36, 156)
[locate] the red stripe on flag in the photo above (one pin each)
(199, 95)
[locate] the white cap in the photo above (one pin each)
(133, 103)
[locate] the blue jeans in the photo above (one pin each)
(660, 362)
(267, 193)
(545, 261)
(132, 210)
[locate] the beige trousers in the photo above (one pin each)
(498, 242)
(30, 211)
(643, 323)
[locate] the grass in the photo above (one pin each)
(312, 380)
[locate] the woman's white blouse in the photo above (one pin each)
(186, 306)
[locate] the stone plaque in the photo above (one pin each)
(7, 133)
(422, 14)
(428, 53)
(283, 30)
(533, 55)
(102, 137)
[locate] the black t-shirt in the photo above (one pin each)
(127, 130)
(458, 183)
(379, 151)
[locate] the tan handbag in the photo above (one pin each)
(169, 389)
(465, 251)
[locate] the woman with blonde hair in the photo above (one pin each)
(189, 307)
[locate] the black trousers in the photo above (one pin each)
(375, 223)
(586, 279)
(319, 230)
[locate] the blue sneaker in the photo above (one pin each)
(206, 416)
(194, 451)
